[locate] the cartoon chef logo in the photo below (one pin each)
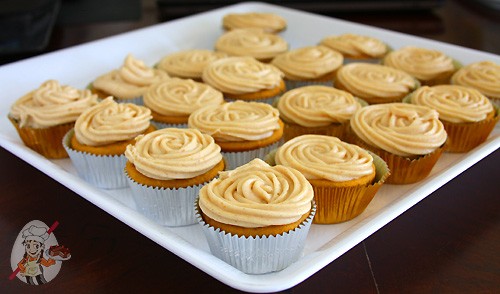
(36, 256)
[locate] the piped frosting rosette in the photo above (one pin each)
(269, 22)
(483, 76)
(410, 138)
(189, 64)
(356, 46)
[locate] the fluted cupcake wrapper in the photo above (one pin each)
(257, 255)
(102, 171)
(161, 125)
(291, 84)
(137, 100)
(239, 158)
(348, 60)
(269, 100)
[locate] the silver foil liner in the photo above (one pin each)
(161, 125)
(269, 100)
(257, 255)
(137, 100)
(291, 84)
(235, 159)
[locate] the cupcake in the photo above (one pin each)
(430, 67)
(172, 101)
(244, 130)
(375, 83)
(345, 177)
(245, 78)
(467, 115)
(318, 110)
(188, 64)
(311, 65)
(43, 116)
(257, 217)
(410, 138)
(251, 42)
(483, 76)
(166, 169)
(129, 82)
(269, 22)
(97, 144)
(356, 47)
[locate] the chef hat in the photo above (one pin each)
(36, 233)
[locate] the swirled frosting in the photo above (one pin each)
(483, 76)
(366, 80)
(131, 80)
(236, 121)
(456, 104)
(179, 97)
(188, 64)
(270, 22)
(424, 64)
(400, 128)
(241, 75)
(308, 62)
(173, 153)
(315, 106)
(51, 104)
(352, 45)
(257, 195)
(109, 122)
(325, 157)
(251, 42)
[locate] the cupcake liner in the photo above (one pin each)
(294, 130)
(257, 255)
(291, 84)
(161, 125)
(45, 141)
(348, 60)
(103, 171)
(136, 100)
(235, 159)
(269, 100)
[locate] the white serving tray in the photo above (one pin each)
(79, 65)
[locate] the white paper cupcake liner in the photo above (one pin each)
(257, 255)
(160, 125)
(235, 159)
(102, 171)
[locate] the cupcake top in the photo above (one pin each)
(353, 45)
(270, 22)
(251, 42)
(180, 97)
(308, 62)
(188, 64)
(366, 80)
(315, 106)
(131, 80)
(455, 104)
(172, 153)
(109, 122)
(241, 75)
(483, 76)
(325, 158)
(236, 121)
(423, 64)
(400, 128)
(51, 104)
(257, 195)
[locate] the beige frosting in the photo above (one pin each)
(456, 104)
(424, 64)
(268, 21)
(109, 122)
(352, 45)
(308, 62)
(484, 76)
(131, 80)
(180, 97)
(251, 42)
(315, 106)
(325, 158)
(257, 195)
(173, 153)
(189, 63)
(241, 75)
(367, 80)
(236, 121)
(51, 104)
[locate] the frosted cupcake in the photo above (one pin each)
(483, 76)
(269, 22)
(43, 116)
(166, 169)
(97, 144)
(312, 65)
(356, 47)
(173, 100)
(318, 110)
(244, 130)
(129, 82)
(261, 212)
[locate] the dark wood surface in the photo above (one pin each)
(447, 243)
